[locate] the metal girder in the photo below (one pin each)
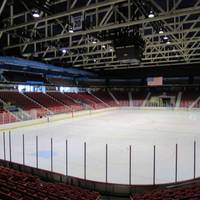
(150, 46)
(182, 26)
(176, 13)
(152, 64)
(64, 14)
(75, 55)
(149, 65)
(2, 6)
(187, 41)
(154, 59)
(87, 45)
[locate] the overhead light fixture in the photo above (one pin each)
(95, 60)
(111, 49)
(64, 51)
(161, 31)
(35, 13)
(151, 14)
(168, 42)
(104, 46)
(94, 42)
(71, 29)
(165, 37)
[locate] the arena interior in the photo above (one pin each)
(99, 99)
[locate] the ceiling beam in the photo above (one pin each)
(2, 6)
(181, 12)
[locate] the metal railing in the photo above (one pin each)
(77, 159)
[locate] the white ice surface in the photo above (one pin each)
(140, 128)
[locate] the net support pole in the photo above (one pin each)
(66, 158)
(52, 154)
(10, 146)
(4, 146)
(106, 163)
(130, 164)
(36, 150)
(194, 159)
(154, 165)
(176, 163)
(85, 161)
(23, 149)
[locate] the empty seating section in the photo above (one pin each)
(89, 97)
(138, 98)
(85, 99)
(81, 99)
(188, 98)
(16, 185)
(122, 97)
(191, 191)
(48, 102)
(66, 100)
(38, 104)
(197, 104)
(6, 117)
(93, 101)
(105, 97)
(21, 101)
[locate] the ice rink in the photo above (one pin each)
(139, 128)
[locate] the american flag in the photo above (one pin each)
(155, 81)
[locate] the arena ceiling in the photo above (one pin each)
(69, 32)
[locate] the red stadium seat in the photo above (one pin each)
(16, 185)
(48, 102)
(186, 192)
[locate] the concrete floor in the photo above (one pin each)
(139, 128)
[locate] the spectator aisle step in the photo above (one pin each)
(5, 105)
(114, 98)
(37, 103)
(146, 99)
(178, 101)
(130, 98)
(195, 102)
(22, 115)
(99, 100)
